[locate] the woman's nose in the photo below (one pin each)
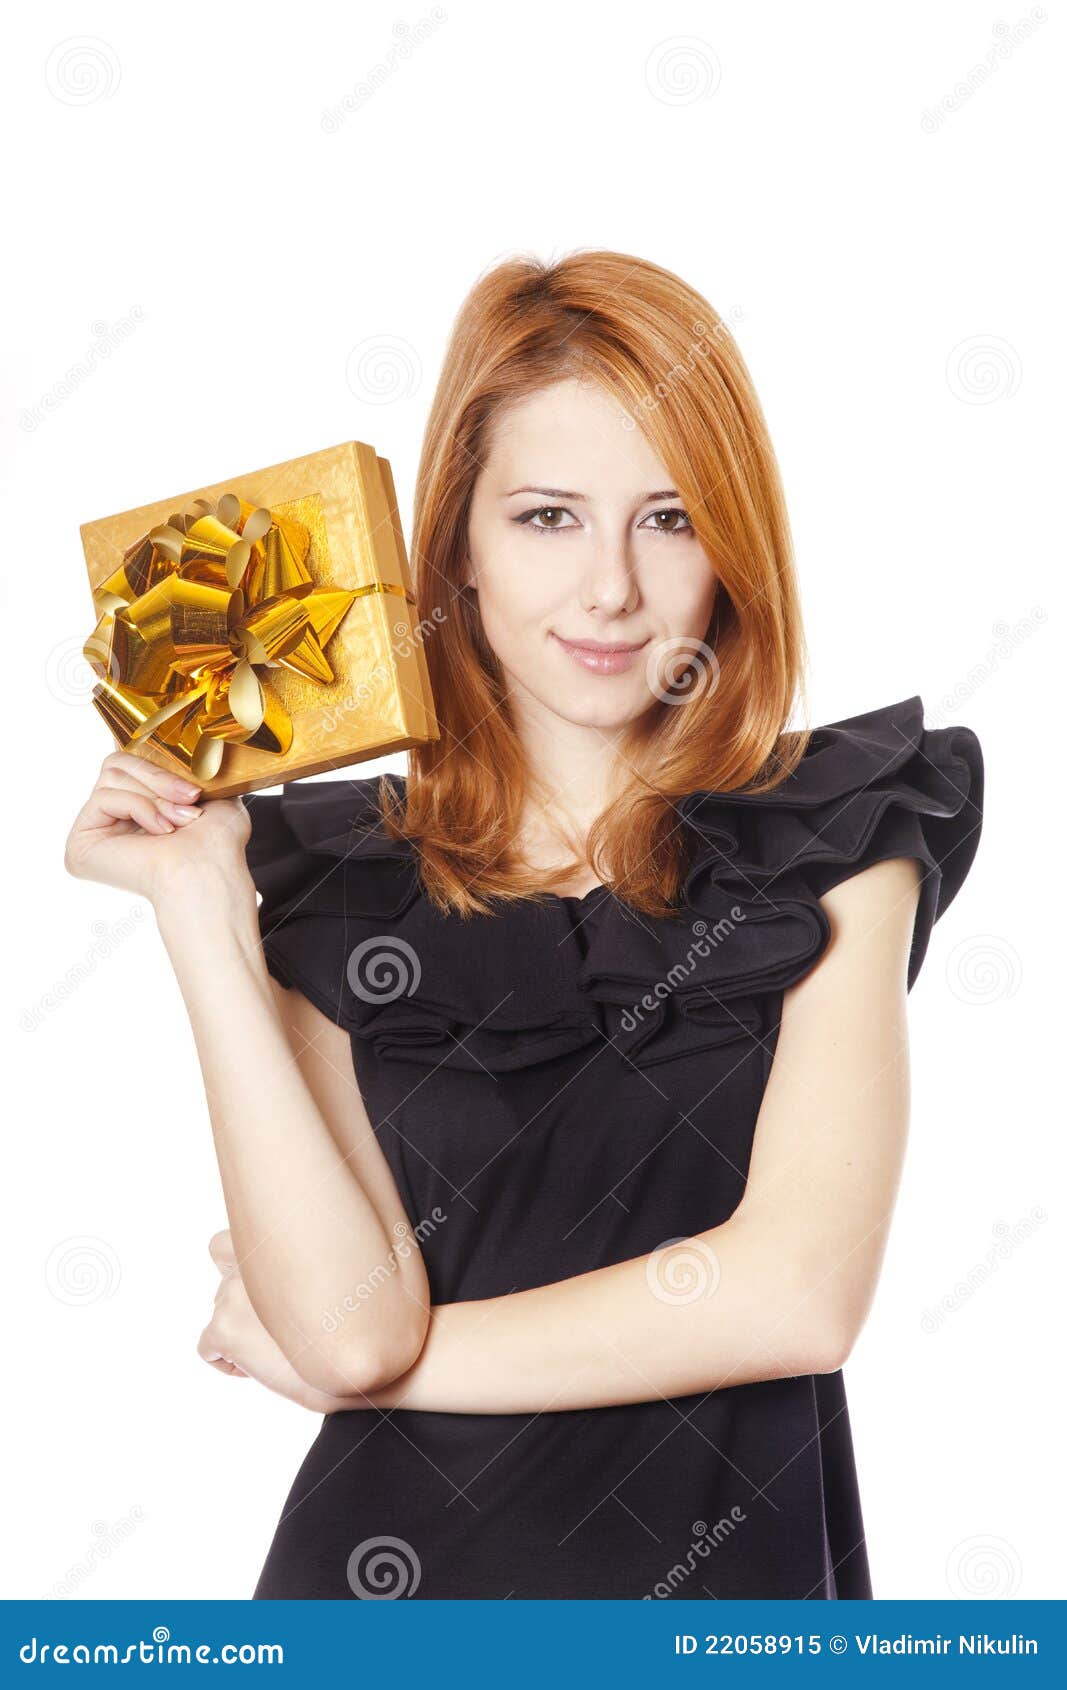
(609, 581)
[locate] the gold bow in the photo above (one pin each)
(196, 607)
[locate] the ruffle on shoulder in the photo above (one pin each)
(345, 920)
(868, 788)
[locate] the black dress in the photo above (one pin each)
(570, 1084)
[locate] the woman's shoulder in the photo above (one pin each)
(884, 783)
(344, 918)
(343, 915)
(326, 843)
(854, 775)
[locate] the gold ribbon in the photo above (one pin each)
(198, 606)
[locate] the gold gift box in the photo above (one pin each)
(214, 650)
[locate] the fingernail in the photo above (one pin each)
(187, 787)
(186, 810)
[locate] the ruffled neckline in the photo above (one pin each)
(540, 978)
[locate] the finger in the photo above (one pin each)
(221, 1249)
(208, 1349)
(230, 1289)
(228, 1279)
(182, 812)
(160, 781)
(107, 804)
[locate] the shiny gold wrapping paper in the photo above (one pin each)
(378, 699)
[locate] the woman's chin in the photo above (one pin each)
(605, 715)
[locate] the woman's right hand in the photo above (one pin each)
(236, 1342)
(140, 830)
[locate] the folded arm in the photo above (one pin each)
(786, 1282)
(313, 1210)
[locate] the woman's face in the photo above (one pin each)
(593, 589)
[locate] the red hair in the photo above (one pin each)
(661, 350)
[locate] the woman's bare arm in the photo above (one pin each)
(306, 1230)
(786, 1282)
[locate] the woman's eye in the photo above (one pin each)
(547, 519)
(550, 511)
(670, 526)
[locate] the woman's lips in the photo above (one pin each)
(601, 657)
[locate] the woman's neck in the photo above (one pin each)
(574, 773)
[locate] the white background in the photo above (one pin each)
(273, 264)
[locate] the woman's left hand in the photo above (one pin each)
(236, 1342)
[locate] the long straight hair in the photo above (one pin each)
(676, 372)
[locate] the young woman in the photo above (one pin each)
(560, 1092)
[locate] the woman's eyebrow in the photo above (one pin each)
(565, 493)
